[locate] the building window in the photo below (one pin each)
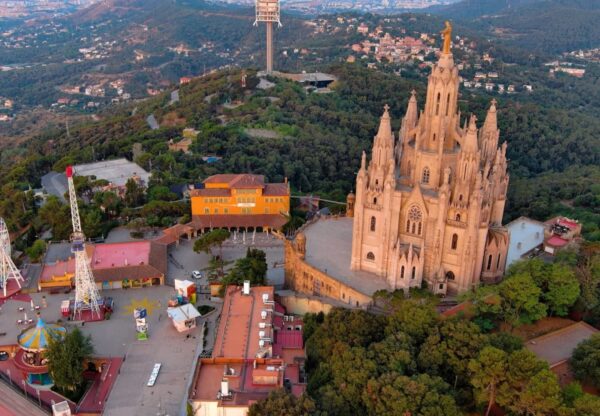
(498, 262)
(425, 176)
(370, 256)
(343, 296)
(437, 104)
(216, 210)
(434, 137)
(450, 276)
(373, 222)
(489, 265)
(457, 217)
(266, 210)
(374, 201)
(454, 241)
(402, 272)
(413, 273)
(460, 197)
(537, 235)
(441, 286)
(448, 104)
(207, 211)
(414, 220)
(225, 210)
(519, 245)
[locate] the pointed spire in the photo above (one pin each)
(491, 119)
(470, 139)
(385, 125)
(363, 161)
(412, 112)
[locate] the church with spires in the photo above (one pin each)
(428, 205)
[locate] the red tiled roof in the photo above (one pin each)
(241, 220)
(237, 181)
(276, 189)
(211, 192)
(557, 241)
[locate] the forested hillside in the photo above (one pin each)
(548, 26)
(554, 157)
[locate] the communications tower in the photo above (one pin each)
(86, 292)
(8, 270)
(267, 11)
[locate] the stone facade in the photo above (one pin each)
(429, 206)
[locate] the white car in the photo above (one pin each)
(197, 274)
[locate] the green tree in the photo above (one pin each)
(161, 193)
(58, 216)
(520, 300)
(36, 251)
(587, 405)
(585, 361)
(211, 239)
(421, 395)
(66, 357)
(253, 267)
(413, 317)
(281, 403)
(134, 193)
(488, 373)
(92, 222)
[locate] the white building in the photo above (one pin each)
(525, 234)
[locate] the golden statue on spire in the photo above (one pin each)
(447, 34)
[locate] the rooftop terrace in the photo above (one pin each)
(329, 248)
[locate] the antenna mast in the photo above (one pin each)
(86, 292)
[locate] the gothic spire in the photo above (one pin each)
(470, 140)
(385, 127)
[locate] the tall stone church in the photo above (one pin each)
(429, 205)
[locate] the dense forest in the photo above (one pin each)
(409, 359)
(546, 26)
(553, 152)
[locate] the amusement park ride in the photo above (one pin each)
(88, 305)
(10, 276)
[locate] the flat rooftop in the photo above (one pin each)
(116, 171)
(558, 346)
(238, 332)
(120, 254)
(329, 248)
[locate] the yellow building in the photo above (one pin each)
(240, 201)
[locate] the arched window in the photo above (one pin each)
(450, 276)
(454, 241)
(415, 219)
(413, 273)
(489, 265)
(437, 104)
(402, 272)
(375, 201)
(460, 197)
(465, 172)
(370, 256)
(448, 104)
(373, 222)
(498, 262)
(425, 177)
(457, 217)
(434, 136)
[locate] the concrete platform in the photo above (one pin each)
(329, 249)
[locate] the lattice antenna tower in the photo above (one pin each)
(86, 292)
(8, 270)
(267, 11)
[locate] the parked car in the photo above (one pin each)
(196, 274)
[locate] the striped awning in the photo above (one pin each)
(38, 337)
